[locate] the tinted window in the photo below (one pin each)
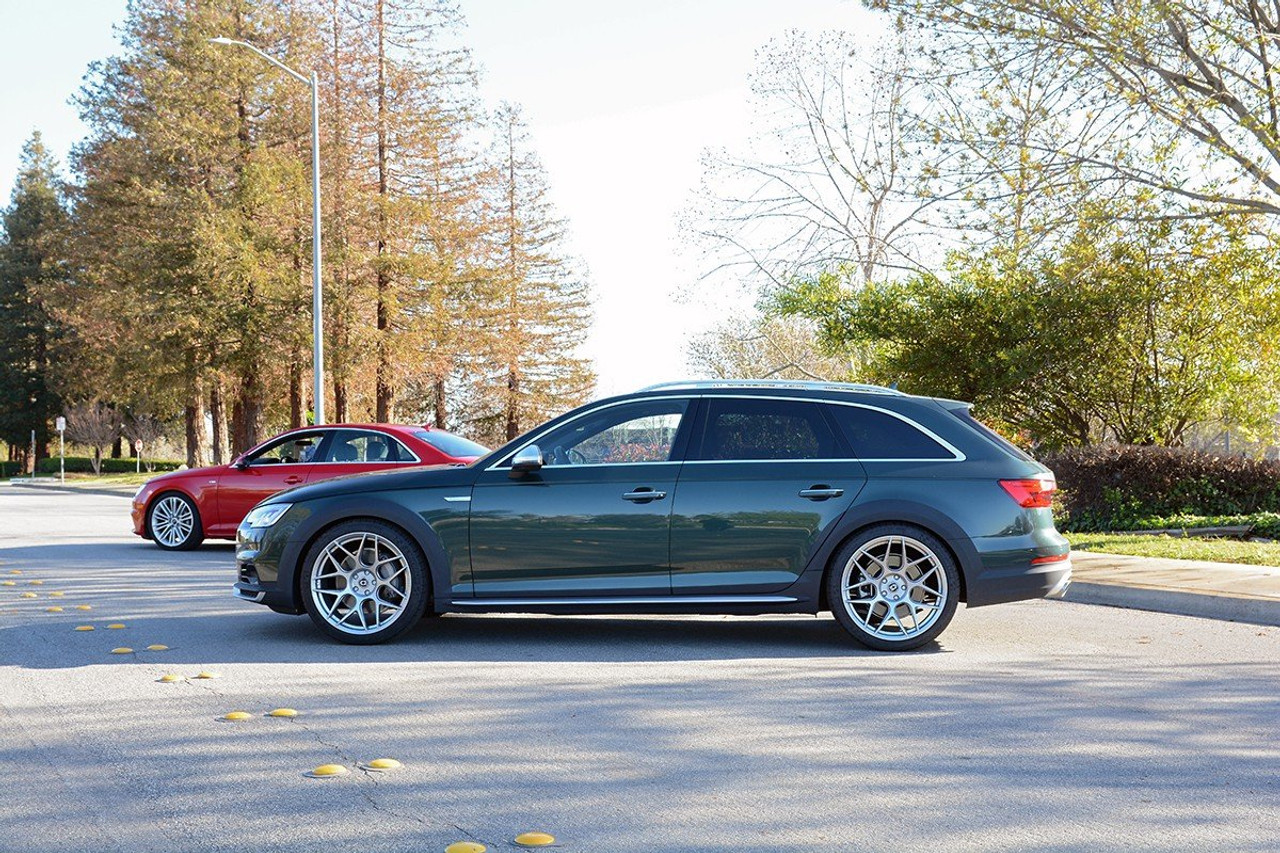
(450, 444)
(877, 435)
(352, 446)
(766, 429)
(638, 432)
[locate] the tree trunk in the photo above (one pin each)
(218, 410)
(195, 424)
(247, 414)
(441, 410)
(513, 407)
(295, 394)
(117, 447)
(339, 401)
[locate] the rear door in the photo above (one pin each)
(359, 451)
(764, 482)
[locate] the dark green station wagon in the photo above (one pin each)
(706, 497)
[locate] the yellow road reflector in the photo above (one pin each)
(83, 607)
(534, 839)
(116, 626)
(325, 770)
(204, 675)
(9, 583)
(84, 627)
(15, 571)
(169, 678)
(282, 712)
(382, 764)
(57, 594)
(123, 650)
(238, 716)
(53, 610)
(157, 648)
(36, 583)
(465, 847)
(28, 595)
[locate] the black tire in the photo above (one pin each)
(902, 587)
(173, 522)
(384, 567)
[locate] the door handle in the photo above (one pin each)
(820, 493)
(643, 495)
(292, 478)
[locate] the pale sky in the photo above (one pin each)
(621, 99)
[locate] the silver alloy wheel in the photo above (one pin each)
(172, 521)
(360, 583)
(894, 587)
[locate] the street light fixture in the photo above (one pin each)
(317, 301)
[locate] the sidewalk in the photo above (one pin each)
(1229, 591)
(87, 487)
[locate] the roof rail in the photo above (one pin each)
(800, 384)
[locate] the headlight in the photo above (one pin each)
(265, 516)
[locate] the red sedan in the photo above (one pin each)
(181, 509)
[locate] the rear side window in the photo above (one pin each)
(765, 429)
(353, 446)
(450, 444)
(878, 435)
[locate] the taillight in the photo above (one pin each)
(1036, 493)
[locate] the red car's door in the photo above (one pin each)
(279, 464)
(358, 451)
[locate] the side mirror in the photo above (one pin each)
(527, 459)
(241, 463)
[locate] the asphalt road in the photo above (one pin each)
(1040, 726)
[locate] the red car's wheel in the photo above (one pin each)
(174, 522)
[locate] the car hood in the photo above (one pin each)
(182, 473)
(417, 477)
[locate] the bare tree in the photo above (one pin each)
(1178, 96)
(144, 432)
(764, 348)
(93, 424)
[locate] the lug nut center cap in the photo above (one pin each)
(893, 588)
(363, 583)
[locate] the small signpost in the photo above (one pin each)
(61, 424)
(137, 455)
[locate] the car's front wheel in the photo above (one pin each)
(893, 587)
(173, 522)
(364, 582)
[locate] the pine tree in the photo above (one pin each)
(33, 226)
(540, 310)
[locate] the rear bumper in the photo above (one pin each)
(1019, 582)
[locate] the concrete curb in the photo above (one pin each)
(1258, 611)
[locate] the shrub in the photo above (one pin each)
(84, 465)
(1122, 487)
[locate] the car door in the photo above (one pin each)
(594, 520)
(763, 484)
(279, 464)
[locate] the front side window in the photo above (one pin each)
(878, 435)
(739, 430)
(353, 446)
(290, 450)
(636, 432)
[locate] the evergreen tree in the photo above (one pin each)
(30, 263)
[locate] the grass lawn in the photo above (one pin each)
(1216, 550)
(92, 481)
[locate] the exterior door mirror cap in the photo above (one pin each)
(528, 458)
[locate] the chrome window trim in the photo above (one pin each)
(416, 460)
(957, 454)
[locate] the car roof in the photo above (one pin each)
(772, 384)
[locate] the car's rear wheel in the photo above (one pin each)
(364, 582)
(173, 522)
(893, 587)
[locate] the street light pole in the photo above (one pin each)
(317, 293)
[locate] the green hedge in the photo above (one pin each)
(1145, 488)
(84, 465)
